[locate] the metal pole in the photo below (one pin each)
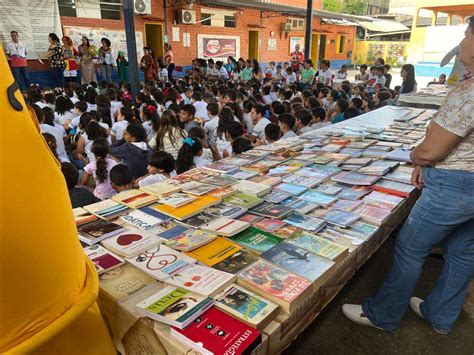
(166, 22)
(131, 46)
(309, 29)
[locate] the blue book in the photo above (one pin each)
(292, 189)
(173, 232)
(298, 261)
(318, 198)
(155, 213)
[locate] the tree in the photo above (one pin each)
(353, 7)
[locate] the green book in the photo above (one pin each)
(256, 240)
(319, 246)
(243, 200)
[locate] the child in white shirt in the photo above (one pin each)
(160, 167)
(124, 116)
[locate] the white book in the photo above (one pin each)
(130, 242)
(161, 262)
(141, 220)
(177, 200)
(252, 188)
(225, 226)
(103, 259)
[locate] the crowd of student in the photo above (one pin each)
(170, 128)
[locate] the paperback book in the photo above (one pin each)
(276, 196)
(177, 199)
(161, 189)
(372, 214)
(225, 226)
(130, 242)
(223, 192)
(355, 193)
(269, 224)
(256, 240)
(320, 246)
(142, 220)
(191, 239)
(243, 200)
(174, 306)
(214, 252)
(103, 259)
(271, 210)
(96, 231)
(266, 180)
(236, 262)
(394, 188)
(305, 222)
(345, 205)
(354, 178)
(220, 167)
(318, 198)
(246, 306)
(252, 188)
(197, 188)
(134, 198)
(242, 174)
(81, 216)
(302, 206)
(341, 218)
(287, 231)
(292, 189)
(382, 200)
(107, 209)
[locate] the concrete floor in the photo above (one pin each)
(332, 333)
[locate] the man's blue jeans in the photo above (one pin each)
(444, 214)
(21, 77)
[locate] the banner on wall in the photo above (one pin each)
(294, 41)
(116, 37)
(218, 47)
(32, 22)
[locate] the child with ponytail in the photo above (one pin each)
(189, 156)
(150, 119)
(125, 115)
(100, 169)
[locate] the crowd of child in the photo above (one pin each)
(108, 142)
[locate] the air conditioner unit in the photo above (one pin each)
(285, 27)
(187, 16)
(297, 24)
(142, 7)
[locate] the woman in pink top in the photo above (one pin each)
(168, 59)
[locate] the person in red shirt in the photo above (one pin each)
(296, 58)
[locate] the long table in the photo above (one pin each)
(133, 334)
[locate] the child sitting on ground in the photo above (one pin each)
(125, 115)
(209, 150)
(233, 131)
(286, 123)
(319, 118)
(134, 150)
(241, 145)
(99, 169)
(303, 121)
(341, 107)
(79, 196)
(121, 178)
(160, 167)
(272, 134)
(190, 156)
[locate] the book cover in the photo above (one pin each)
(201, 279)
(134, 198)
(225, 226)
(287, 231)
(302, 206)
(328, 189)
(354, 178)
(179, 213)
(242, 174)
(280, 285)
(177, 199)
(249, 217)
(393, 187)
(124, 281)
(276, 196)
(382, 200)
(173, 232)
(372, 214)
(174, 306)
(292, 189)
(247, 306)
(320, 246)
(107, 209)
(96, 231)
(298, 260)
(141, 220)
(103, 259)
(206, 201)
(358, 161)
(309, 223)
(252, 188)
(345, 205)
(199, 219)
(266, 180)
(269, 224)
(225, 210)
(161, 262)
(215, 332)
(190, 240)
(219, 181)
(223, 192)
(256, 240)
(236, 262)
(272, 210)
(355, 193)
(161, 189)
(81, 216)
(399, 154)
(197, 188)
(130, 242)
(321, 160)
(220, 167)
(243, 200)
(318, 198)
(288, 201)
(304, 180)
(214, 252)
(341, 218)
(374, 170)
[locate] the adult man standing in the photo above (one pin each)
(16, 51)
(296, 58)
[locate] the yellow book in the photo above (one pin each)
(179, 213)
(206, 201)
(214, 252)
(134, 198)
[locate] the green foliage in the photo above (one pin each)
(353, 7)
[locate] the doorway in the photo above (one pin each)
(154, 38)
(314, 49)
(253, 45)
(322, 46)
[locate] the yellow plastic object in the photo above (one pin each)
(48, 287)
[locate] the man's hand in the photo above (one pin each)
(417, 177)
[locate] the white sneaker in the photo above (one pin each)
(354, 313)
(415, 306)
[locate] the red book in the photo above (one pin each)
(215, 332)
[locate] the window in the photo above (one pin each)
(67, 8)
(341, 43)
(112, 11)
(229, 21)
(206, 19)
(218, 18)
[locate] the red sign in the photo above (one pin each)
(219, 47)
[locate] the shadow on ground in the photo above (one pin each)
(332, 333)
